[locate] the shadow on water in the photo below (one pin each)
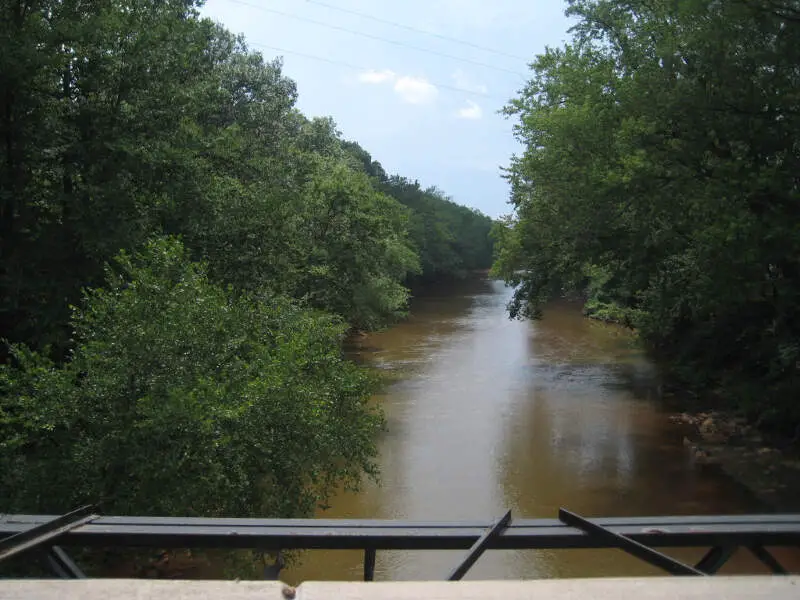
(442, 311)
(488, 414)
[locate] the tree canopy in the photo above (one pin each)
(181, 252)
(121, 120)
(659, 176)
(182, 397)
(451, 240)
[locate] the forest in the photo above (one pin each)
(660, 181)
(182, 253)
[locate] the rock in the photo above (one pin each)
(714, 438)
(687, 442)
(708, 425)
(289, 592)
(704, 457)
(763, 451)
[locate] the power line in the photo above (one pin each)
(410, 28)
(375, 37)
(362, 69)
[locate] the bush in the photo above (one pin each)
(183, 398)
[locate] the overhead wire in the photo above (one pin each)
(375, 37)
(416, 30)
(363, 69)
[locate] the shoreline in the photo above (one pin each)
(769, 470)
(740, 451)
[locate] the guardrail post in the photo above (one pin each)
(369, 564)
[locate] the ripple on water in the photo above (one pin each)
(490, 414)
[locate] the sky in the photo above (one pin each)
(424, 106)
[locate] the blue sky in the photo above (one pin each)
(398, 102)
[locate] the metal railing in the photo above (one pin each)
(638, 536)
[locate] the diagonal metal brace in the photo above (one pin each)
(479, 546)
(62, 565)
(767, 559)
(715, 559)
(44, 533)
(630, 546)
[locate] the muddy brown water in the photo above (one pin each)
(486, 414)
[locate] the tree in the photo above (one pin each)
(93, 95)
(127, 121)
(452, 240)
(208, 371)
(659, 172)
(183, 397)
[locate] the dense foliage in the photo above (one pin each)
(450, 239)
(182, 398)
(660, 175)
(201, 372)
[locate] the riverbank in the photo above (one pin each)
(738, 449)
(768, 468)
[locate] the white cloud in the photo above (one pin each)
(471, 111)
(416, 90)
(465, 82)
(377, 76)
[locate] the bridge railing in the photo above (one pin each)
(639, 536)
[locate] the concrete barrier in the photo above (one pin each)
(653, 588)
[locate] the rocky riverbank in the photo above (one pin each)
(738, 449)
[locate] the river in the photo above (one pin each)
(486, 414)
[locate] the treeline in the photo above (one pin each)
(660, 177)
(451, 240)
(181, 253)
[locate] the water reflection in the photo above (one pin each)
(489, 414)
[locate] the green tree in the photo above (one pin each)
(182, 397)
(659, 173)
(93, 95)
(452, 240)
(123, 121)
(208, 372)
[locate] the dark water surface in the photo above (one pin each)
(488, 414)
